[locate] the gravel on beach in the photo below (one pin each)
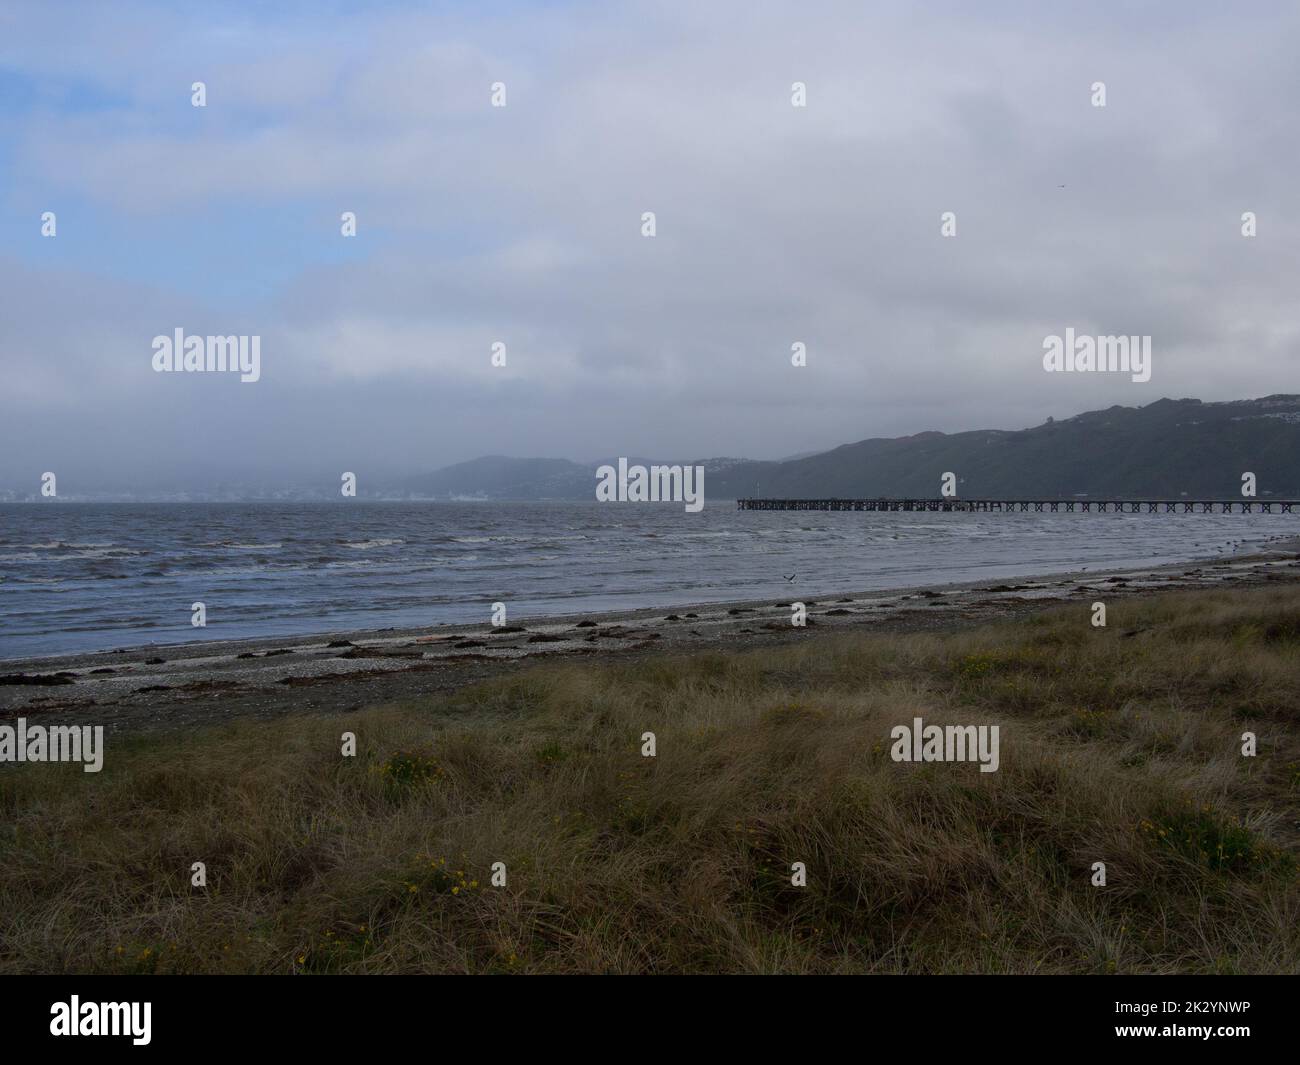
(199, 684)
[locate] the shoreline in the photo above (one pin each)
(161, 686)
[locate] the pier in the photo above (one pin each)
(1036, 506)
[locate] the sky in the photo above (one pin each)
(523, 224)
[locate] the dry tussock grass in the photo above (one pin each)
(1119, 745)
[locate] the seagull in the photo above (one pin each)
(791, 577)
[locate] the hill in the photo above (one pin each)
(1165, 449)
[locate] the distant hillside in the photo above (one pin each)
(498, 477)
(1164, 449)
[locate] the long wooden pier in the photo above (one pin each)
(1037, 506)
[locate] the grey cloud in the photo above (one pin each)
(775, 225)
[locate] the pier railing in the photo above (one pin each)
(1037, 506)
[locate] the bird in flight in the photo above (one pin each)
(791, 577)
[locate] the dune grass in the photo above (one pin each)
(1120, 745)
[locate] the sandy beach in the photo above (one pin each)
(181, 686)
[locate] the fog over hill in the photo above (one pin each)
(1165, 449)
(1169, 448)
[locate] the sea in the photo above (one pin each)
(77, 577)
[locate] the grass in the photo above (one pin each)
(1120, 745)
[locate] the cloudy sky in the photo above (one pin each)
(522, 224)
